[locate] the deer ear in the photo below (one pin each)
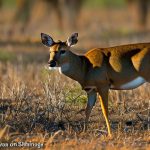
(72, 40)
(47, 40)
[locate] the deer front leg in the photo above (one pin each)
(91, 102)
(103, 97)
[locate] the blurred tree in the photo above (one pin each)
(65, 10)
(22, 12)
(140, 8)
(55, 6)
(72, 10)
(1, 3)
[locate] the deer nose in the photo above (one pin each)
(52, 63)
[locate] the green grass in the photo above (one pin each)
(9, 3)
(105, 3)
(89, 3)
(76, 96)
(6, 56)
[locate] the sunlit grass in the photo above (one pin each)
(43, 107)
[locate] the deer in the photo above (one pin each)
(99, 70)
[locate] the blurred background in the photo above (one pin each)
(32, 96)
(98, 22)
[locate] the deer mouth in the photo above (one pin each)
(52, 63)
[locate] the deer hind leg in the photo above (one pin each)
(103, 97)
(91, 102)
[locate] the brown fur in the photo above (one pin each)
(96, 55)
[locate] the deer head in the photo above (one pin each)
(59, 51)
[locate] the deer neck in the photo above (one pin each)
(74, 68)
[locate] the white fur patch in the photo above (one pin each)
(63, 68)
(132, 84)
(60, 70)
(53, 68)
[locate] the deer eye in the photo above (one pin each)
(62, 51)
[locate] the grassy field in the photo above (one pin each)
(44, 108)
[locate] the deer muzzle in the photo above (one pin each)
(52, 63)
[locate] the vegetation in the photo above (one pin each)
(7, 56)
(105, 3)
(89, 3)
(41, 106)
(46, 109)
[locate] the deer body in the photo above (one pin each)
(100, 69)
(112, 69)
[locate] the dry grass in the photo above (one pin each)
(41, 107)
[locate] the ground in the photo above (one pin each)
(44, 107)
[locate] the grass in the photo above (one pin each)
(6, 56)
(42, 107)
